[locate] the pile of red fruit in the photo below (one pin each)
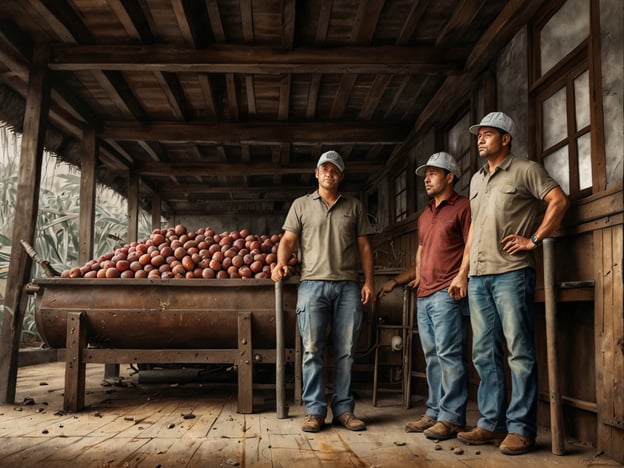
(178, 253)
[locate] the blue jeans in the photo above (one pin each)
(501, 311)
(339, 305)
(442, 327)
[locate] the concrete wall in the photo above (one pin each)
(512, 89)
(612, 57)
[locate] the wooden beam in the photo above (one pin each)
(227, 58)
(315, 85)
(365, 22)
(323, 22)
(412, 21)
(288, 24)
(220, 133)
(214, 16)
(133, 206)
(86, 226)
(341, 99)
(172, 190)
(31, 156)
(514, 15)
(375, 94)
(206, 88)
(131, 16)
(462, 17)
(240, 170)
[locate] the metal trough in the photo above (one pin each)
(112, 321)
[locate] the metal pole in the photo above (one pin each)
(550, 304)
(280, 386)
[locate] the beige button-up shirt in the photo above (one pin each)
(509, 201)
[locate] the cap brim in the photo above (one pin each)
(420, 171)
(474, 129)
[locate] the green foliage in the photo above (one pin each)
(56, 235)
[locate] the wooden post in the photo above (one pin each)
(280, 365)
(133, 206)
(75, 368)
(156, 210)
(550, 303)
(245, 364)
(35, 118)
(87, 198)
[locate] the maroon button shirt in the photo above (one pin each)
(442, 233)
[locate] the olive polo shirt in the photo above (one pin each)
(509, 201)
(328, 236)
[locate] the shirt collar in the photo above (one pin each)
(504, 165)
(450, 200)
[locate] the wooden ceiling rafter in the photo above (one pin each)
(239, 170)
(259, 59)
(462, 18)
(234, 133)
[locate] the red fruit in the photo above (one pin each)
(166, 251)
(136, 266)
(179, 252)
(178, 270)
(215, 264)
(208, 273)
(245, 272)
(117, 257)
(157, 239)
(179, 230)
(112, 272)
(256, 267)
(140, 274)
(158, 260)
(90, 274)
(188, 263)
(122, 265)
(237, 261)
(222, 274)
(75, 273)
(101, 273)
(127, 274)
(144, 259)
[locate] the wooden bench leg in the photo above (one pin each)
(245, 363)
(74, 367)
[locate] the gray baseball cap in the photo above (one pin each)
(441, 160)
(331, 157)
(498, 120)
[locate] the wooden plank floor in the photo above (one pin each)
(143, 425)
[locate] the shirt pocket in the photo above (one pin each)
(505, 196)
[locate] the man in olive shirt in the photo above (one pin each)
(332, 231)
(507, 196)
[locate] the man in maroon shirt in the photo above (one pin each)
(442, 309)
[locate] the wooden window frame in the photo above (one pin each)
(585, 57)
